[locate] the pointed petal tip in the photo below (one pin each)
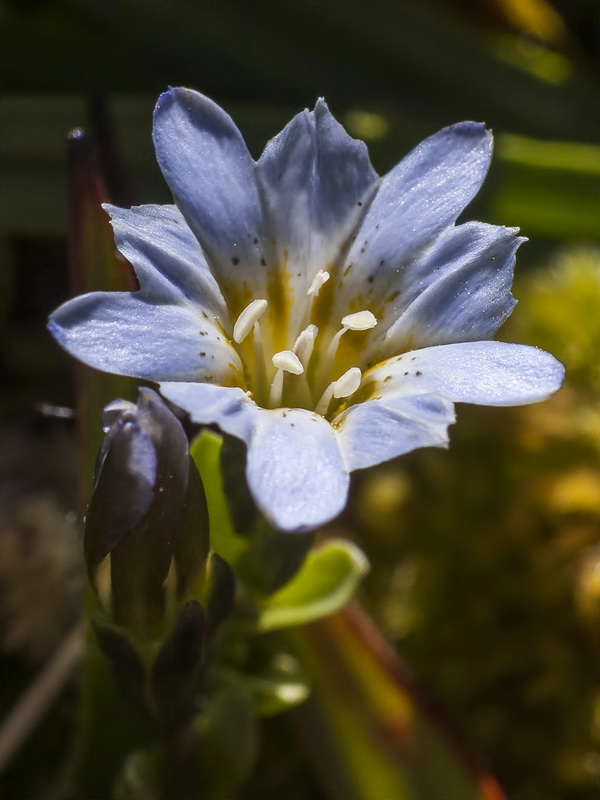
(477, 132)
(321, 106)
(55, 329)
(188, 99)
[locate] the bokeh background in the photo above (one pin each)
(486, 558)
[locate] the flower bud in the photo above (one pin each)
(146, 532)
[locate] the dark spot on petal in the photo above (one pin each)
(393, 296)
(405, 374)
(377, 227)
(263, 262)
(362, 249)
(382, 262)
(235, 261)
(205, 315)
(203, 353)
(255, 241)
(387, 378)
(371, 278)
(348, 268)
(359, 203)
(293, 424)
(418, 372)
(414, 358)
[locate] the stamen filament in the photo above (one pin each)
(326, 398)
(304, 344)
(315, 287)
(284, 361)
(345, 386)
(359, 321)
(259, 361)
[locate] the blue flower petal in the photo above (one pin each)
(484, 373)
(316, 182)
(420, 197)
(206, 163)
(226, 406)
(122, 333)
(295, 469)
(457, 291)
(166, 256)
(376, 431)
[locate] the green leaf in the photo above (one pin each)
(324, 584)
(206, 452)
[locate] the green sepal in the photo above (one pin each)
(124, 660)
(228, 741)
(220, 592)
(263, 558)
(192, 544)
(242, 508)
(325, 583)
(176, 672)
(273, 558)
(205, 450)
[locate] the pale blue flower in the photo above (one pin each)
(328, 317)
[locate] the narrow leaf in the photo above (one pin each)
(369, 723)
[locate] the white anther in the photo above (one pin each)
(246, 320)
(304, 344)
(288, 361)
(320, 278)
(348, 383)
(360, 321)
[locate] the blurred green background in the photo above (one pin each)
(486, 559)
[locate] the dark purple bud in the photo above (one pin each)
(147, 508)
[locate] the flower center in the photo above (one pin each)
(302, 376)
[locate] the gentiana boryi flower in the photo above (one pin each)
(326, 316)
